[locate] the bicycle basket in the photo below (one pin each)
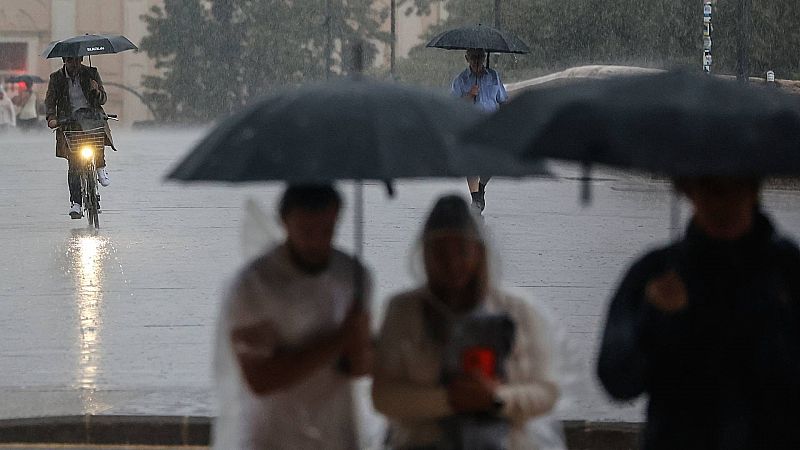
(78, 139)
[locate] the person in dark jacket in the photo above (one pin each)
(71, 88)
(708, 328)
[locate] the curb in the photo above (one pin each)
(584, 435)
(108, 430)
(196, 431)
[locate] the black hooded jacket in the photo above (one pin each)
(724, 372)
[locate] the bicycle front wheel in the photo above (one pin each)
(92, 204)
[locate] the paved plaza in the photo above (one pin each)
(122, 321)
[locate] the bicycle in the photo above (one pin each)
(84, 142)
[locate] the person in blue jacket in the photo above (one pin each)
(481, 86)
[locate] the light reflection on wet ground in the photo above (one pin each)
(87, 252)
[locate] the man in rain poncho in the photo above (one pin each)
(286, 328)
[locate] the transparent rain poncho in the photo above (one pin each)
(543, 431)
(261, 232)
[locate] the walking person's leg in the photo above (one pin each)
(474, 191)
(477, 189)
(74, 183)
(100, 164)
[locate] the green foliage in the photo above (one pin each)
(658, 33)
(218, 55)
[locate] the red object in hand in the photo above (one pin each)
(480, 359)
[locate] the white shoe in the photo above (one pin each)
(76, 211)
(102, 176)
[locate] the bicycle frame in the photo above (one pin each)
(84, 146)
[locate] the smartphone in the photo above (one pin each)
(481, 359)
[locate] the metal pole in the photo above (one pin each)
(497, 24)
(393, 32)
(328, 39)
(744, 27)
(707, 29)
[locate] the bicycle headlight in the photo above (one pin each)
(87, 151)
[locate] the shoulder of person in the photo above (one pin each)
(514, 303)
(651, 263)
(786, 251)
(405, 304)
(493, 73)
(262, 263)
(411, 297)
(341, 260)
(463, 75)
(89, 70)
(57, 74)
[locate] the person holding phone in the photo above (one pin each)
(446, 351)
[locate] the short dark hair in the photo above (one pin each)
(310, 197)
(476, 52)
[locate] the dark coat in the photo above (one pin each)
(57, 102)
(723, 373)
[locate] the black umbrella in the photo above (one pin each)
(88, 45)
(479, 36)
(28, 79)
(349, 129)
(359, 130)
(674, 124)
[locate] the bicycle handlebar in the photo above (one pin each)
(70, 120)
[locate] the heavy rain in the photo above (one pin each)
(110, 327)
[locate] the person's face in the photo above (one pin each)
(72, 64)
(309, 235)
(475, 61)
(452, 261)
(723, 207)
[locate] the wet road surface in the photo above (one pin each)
(122, 320)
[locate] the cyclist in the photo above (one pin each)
(71, 88)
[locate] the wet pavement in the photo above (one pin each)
(121, 321)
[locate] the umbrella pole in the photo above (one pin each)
(674, 215)
(90, 60)
(358, 236)
(586, 187)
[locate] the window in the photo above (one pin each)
(13, 56)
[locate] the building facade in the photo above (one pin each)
(409, 28)
(27, 26)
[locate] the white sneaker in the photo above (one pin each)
(102, 176)
(76, 211)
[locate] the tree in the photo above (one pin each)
(659, 33)
(217, 55)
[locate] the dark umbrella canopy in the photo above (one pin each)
(479, 36)
(88, 45)
(359, 130)
(29, 79)
(675, 124)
